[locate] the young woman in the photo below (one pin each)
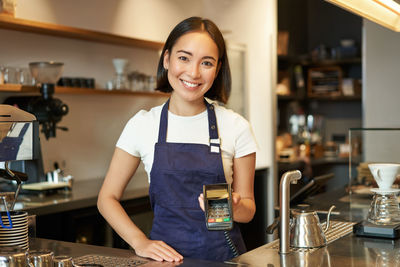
(185, 143)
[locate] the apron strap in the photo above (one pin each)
(23, 131)
(162, 132)
(212, 124)
(213, 129)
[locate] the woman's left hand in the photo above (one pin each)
(235, 200)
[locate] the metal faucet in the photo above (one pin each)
(284, 208)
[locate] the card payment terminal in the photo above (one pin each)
(218, 206)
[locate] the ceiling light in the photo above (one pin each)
(383, 12)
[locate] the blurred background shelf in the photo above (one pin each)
(335, 98)
(330, 62)
(15, 24)
(12, 88)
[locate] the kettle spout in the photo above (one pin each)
(328, 218)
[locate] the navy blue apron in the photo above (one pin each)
(177, 177)
(9, 146)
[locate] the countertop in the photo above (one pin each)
(349, 250)
(83, 194)
(77, 250)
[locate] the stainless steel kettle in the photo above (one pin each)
(306, 230)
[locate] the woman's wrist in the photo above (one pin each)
(244, 211)
(137, 240)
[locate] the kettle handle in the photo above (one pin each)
(328, 218)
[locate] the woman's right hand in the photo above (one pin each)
(157, 250)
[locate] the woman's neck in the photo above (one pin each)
(183, 108)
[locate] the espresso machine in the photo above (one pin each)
(48, 111)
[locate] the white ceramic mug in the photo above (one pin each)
(384, 173)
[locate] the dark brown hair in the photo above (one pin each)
(221, 87)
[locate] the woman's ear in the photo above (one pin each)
(166, 59)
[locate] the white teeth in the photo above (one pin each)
(190, 84)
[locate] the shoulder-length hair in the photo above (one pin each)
(221, 87)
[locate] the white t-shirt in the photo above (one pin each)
(141, 133)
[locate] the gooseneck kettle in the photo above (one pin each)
(306, 230)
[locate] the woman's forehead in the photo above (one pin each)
(196, 42)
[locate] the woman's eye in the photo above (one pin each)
(183, 58)
(208, 63)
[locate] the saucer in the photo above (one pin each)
(385, 191)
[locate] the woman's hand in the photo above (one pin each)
(243, 203)
(157, 250)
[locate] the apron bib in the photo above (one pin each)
(177, 177)
(11, 145)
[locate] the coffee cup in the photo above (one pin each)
(384, 173)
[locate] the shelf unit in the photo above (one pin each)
(22, 25)
(319, 98)
(16, 24)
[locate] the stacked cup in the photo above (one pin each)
(384, 209)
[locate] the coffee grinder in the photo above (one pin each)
(384, 212)
(47, 109)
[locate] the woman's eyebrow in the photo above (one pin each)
(190, 54)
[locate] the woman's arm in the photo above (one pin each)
(122, 168)
(244, 205)
(243, 202)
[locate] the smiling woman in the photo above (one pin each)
(192, 67)
(188, 142)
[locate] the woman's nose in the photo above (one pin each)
(194, 71)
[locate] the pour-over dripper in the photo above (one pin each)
(120, 80)
(384, 174)
(120, 65)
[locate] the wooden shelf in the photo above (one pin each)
(335, 98)
(17, 88)
(331, 62)
(12, 88)
(15, 24)
(89, 91)
(288, 97)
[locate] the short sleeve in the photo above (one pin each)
(130, 137)
(245, 141)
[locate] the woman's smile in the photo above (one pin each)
(190, 85)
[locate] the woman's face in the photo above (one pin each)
(192, 66)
